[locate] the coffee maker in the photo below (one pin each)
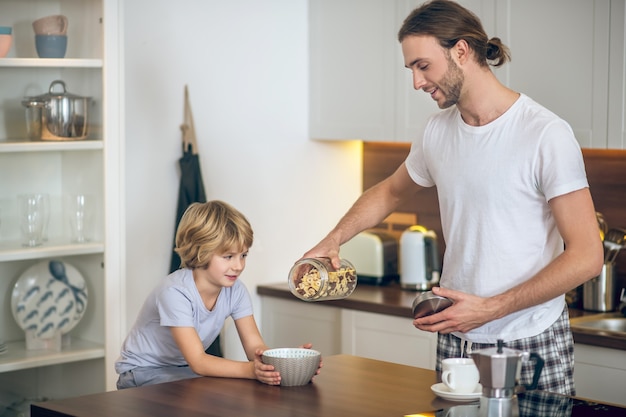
(499, 368)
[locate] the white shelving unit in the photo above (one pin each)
(91, 166)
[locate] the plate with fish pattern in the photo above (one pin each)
(49, 296)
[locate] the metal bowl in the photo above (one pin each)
(428, 303)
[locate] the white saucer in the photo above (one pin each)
(444, 392)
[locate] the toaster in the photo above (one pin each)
(374, 255)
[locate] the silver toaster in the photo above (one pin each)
(374, 255)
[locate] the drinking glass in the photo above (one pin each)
(45, 207)
(80, 217)
(31, 213)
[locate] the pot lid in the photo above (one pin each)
(41, 100)
(428, 303)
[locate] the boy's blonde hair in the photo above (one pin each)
(210, 228)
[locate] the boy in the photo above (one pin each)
(186, 312)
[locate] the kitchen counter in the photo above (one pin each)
(347, 386)
(394, 301)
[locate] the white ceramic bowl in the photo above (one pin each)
(296, 365)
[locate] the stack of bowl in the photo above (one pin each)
(51, 36)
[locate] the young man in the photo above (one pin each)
(517, 216)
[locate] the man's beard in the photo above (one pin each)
(451, 84)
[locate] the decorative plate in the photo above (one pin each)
(49, 296)
(444, 392)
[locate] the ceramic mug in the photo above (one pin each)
(460, 375)
(51, 25)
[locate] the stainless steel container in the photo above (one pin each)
(599, 293)
(63, 116)
(428, 303)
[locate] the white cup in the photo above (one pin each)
(460, 375)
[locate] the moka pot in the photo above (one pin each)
(499, 369)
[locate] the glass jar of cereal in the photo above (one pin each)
(315, 279)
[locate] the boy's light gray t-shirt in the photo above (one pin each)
(175, 302)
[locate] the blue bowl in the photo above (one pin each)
(51, 46)
(5, 30)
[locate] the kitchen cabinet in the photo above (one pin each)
(359, 88)
(600, 373)
(92, 166)
(335, 330)
(292, 323)
(574, 66)
(387, 338)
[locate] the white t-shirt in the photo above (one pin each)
(494, 183)
(176, 302)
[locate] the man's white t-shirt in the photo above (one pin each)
(176, 302)
(494, 183)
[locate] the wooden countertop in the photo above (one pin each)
(347, 386)
(394, 301)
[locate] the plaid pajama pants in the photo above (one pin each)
(555, 346)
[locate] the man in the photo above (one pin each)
(517, 216)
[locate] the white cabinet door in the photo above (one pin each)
(616, 137)
(359, 88)
(387, 338)
(560, 58)
(351, 64)
(335, 331)
(600, 373)
(292, 323)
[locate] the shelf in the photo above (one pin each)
(22, 145)
(17, 357)
(50, 63)
(12, 251)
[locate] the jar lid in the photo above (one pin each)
(428, 303)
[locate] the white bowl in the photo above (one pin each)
(296, 365)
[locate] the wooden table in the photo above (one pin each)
(347, 386)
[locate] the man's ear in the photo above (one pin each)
(461, 51)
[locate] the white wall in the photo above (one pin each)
(246, 64)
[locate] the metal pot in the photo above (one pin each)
(63, 116)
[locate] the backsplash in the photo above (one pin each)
(606, 172)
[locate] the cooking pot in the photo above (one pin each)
(57, 115)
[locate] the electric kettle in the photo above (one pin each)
(499, 369)
(419, 259)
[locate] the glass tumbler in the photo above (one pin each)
(31, 214)
(80, 213)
